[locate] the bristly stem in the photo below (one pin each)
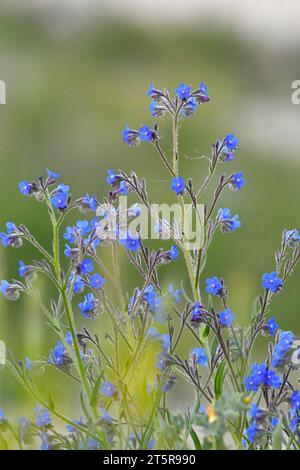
(68, 309)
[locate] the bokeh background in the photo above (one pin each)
(78, 71)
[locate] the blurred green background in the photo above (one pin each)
(70, 95)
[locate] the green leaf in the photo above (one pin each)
(214, 346)
(278, 436)
(219, 379)
(196, 441)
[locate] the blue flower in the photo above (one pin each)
(7, 238)
(131, 243)
(145, 133)
(295, 400)
(292, 237)
(200, 356)
(28, 363)
(57, 354)
(43, 418)
(176, 294)
(78, 285)
(45, 444)
(271, 379)
(91, 202)
(272, 282)
(2, 418)
(63, 188)
(70, 235)
(86, 266)
(154, 109)
(10, 291)
(203, 89)
(71, 428)
(261, 375)
(274, 421)
(252, 432)
(151, 89)
(213, 285)
(68, 251)
(88, 306)
(173, 252)
(97, 281)
(52, 174)
(122, 189)
(111, 177)
(231, 142)
(69, 338)
(178, 185)
(183, 91)
(254, 411)
(25, 188)
(189, 107)
(92, 444)
(226, 318)
(60, 200)
(294, 419)
(197, 313)
(152, 298)
(272, 325)
(107, 389)
(83, 227)
(228, 223)
(23, 269)
(281, 349)
(237, 181)
(131, 137)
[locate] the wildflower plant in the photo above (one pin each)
(124, 377)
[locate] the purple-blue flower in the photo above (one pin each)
(226, 317)
(78, 285)
(25, 188)
(111, 177)
(200, 356)
(203, 89)
(178, 185)
(107, 389)
(145, 133)
(261, 375)
(87, 307)
(52, 174)
(292, 237)
(97, 281)
(213, 285)
(272, 282)
(60, 200)
(295, 400)
(281, 349)
(43, 418)
(231, 141)
(237, 181)
(57, 354)
(272, 325)
(183, 91)
(197, 313)
(228, 222)
(86, 266)
(23, 269)
(131, 243)
(176, 294)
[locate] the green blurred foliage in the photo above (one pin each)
(68, 99)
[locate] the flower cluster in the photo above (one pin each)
(127, 364)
